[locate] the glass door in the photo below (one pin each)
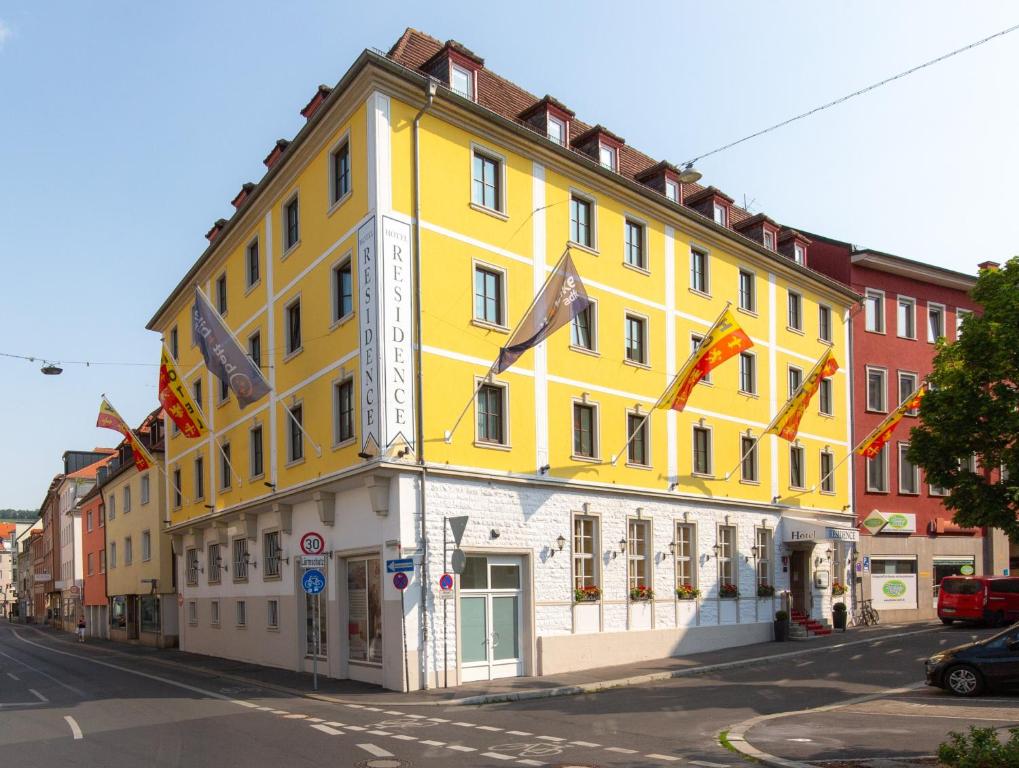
(490, 618)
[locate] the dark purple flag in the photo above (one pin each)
(562, 299)
(223, 355)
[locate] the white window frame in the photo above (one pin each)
(822, 310)
(690, 558)
(477, 264)
(915, 379)
(290, 350)
(595, 429)
(226, 479)
(593, 223)
(720, 214)
(753, 456)
(506, 421)
(727, 561)
(284, 228)
(338, 440)
(471, 84)
(608, 150)
(769, 239)
(960, 315)
(798, 449)
(500, 162)
(593, 349)
(882, 457)
(883, 405)
(272, 568)
(551, 119)
(944, 320)
(251, 454)
(672, 190)
(145, 489)
(696, 250)
(900, 302)
(821, 481)
(789, 379)
(336, 200)
(752, 309)
(272, 614)
(646, 428)
(146, 546)
(874, 294)
(334, 275)
(644, 267)
(751, 358)
(799, 254)
(241, 613)
(693, 450)
(646, 556)
(193, 612)
(826, 383)
(594, 556)
(289, 424)
(644, 322)
(199, 493)
(248, 282)
(789, 302)
(214, 617)
(901, 449)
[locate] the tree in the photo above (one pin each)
(972, 410)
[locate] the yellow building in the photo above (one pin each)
(140, 580)
(374, 273)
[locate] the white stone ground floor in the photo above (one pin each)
(514, 607)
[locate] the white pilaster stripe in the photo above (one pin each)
(270, 322)
(671, 417)
(541, 351)
(772, 380)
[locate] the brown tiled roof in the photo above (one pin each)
(749, 221)
(89, 472)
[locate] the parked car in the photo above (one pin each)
(994, 599)
(971, 669)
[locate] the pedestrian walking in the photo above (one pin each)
(81, 630)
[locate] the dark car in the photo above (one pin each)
(967, 670)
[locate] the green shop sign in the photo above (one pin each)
(890, 522)
(894, 589)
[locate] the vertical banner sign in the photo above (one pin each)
(397, 355)
(368, 327)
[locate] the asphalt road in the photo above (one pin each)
(63, 704)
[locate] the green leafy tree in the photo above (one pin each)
(972, 410)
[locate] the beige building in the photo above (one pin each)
(139, 562)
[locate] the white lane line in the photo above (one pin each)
(316, 719)
(519, 733)
(621, 750)
(431, 743)
(894, 650)
(38, 695)
(334, 724)
(380, 733)
(706, 764)
(279, 711)
(438, 719)
(75, 728)
(374, 750)
(327, 729)
(668, 758)
(76, 691)
(404, 737)
(294, 717)
(13, 676)
(391, 712)
(550, 738)
(497, 755)
(356, 728)
(460, 748)
(356, 706)
(247, 704)
(416, 717)
(488, 728)
(372, 709)
(524, 761)
(465, 725)
(585, 744)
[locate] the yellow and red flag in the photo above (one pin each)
(176, 398)
(724, 340)
(110, 419)
(787, 423)
(875, 441)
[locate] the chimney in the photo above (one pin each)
(989, 265)
(316, 101)
(277, 150)
(213, 233)
(246, 188)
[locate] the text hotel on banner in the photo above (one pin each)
(386, 329)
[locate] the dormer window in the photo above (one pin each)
(720, 215)
(672, 190)
(607, 156)
(769, 240)
(556, 130)
(799, 253)
(461, 81)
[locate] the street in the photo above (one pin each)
(64, 703)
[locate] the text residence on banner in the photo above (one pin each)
(223, 355)
(176, 399)
(110, 419)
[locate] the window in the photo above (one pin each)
(242, 614)
(607, 156)
(339, 162)
(199, 478)
(225, 466)
(795, 317)
(747, 373)
(556, 130)
(585, 552)
(637, 543)
(102, 561)
(824, 398)
(343, 404)
(224, 391)
(255, 438)
(197, 388)
(145, 489)
(585, 439)
(877, 387)
(960, 316)
(190, 563)
(214, 565)
(635, 244)
(364, 612)
(907, 386)
(719, 214)
(291, 224)
(221, 294)
(747, 291)
(582, 328)
(695, 343)
(877, 472)
(764, 541)
(146, 546)
(795, 379)
(178, 498)
(174, 342)
(937, 490)
(192, 611)
(295, 433)
(726, 555)
(486, 187)
(461, 81)
(935, 322)
(909, 473)
(636, 339)
(906, 318)
(672, 191)
(293, 315)
(698, 270)
(637, 433)
(492, 414)
(580, 221)
(128, 551)
(255, 348)
(253, 266)
(240, 559)
(874, 311)
(701, 451)
(127, 499)
(686, 555)
(823, 322)
(827, 472)
(214, 612)
(272, 614)
(796, 473)
(799, 254)
(88, 521)
(748, 459)
(488, 295)
(343, 291)
(272, 552)
(769, 240)
(91, 563)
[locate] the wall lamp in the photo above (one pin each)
(249, 561)
(543, 469)
(672, 547)
(365, 456)
(220, 564)
(622, 546)
(402, 452)
(269, 485)
(560, 542)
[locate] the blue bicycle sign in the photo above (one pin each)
(313, 582)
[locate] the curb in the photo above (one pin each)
(530, 694)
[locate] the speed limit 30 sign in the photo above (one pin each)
(312, 543)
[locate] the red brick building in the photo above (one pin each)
(908, 541)
(93, 541)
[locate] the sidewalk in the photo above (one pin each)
(487, 692)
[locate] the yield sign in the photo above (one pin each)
(458, 525)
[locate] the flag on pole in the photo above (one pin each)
(787, 423)
(562, 299)
(875, 441)
(723, 340)
(110, 419)
(224, 357)
(176, 398)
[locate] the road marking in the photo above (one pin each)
(706, 764)
(334, 724)
(75, 728)
(316, 719)
(438, 719)
(327, 729)
(294, 717)
(404, 737)
(668, 758)
(460, 748)
(550, 738)
(77, 691)
(380, 733)
(279, 711)
(519, 733)
(431, 743)
(585, 743)
(38, 695)
(465, 725)
(488, 728)
(356, 728)
(525, 761)
(391, 712)
(247, 704)
(497, 755)
(621, 750)
(13, 676)
(374, 750)
(356, 706)
(416, 717)
(373, 709)
(894, 650)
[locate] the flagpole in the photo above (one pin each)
(300, 426)
(236, 341)
(448, 436)
(229, 463)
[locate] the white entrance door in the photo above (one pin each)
(490, 618)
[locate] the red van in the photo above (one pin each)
(994, 599)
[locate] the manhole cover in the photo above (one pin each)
(382, 762)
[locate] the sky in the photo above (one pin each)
(126, 128)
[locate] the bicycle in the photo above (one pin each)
(865, 614)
